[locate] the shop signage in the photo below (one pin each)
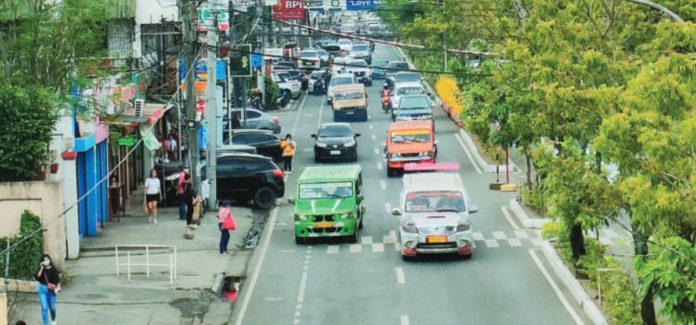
(289, 9)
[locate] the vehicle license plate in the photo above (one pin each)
(335, 152)
(350, 112)
(309, 63)
(436, 239)
(324, 224)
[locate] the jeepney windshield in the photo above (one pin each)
(338, 190)
(348, 95)
(410, 136)
(435, 201)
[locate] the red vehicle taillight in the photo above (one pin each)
(278, 173)
(276, 120)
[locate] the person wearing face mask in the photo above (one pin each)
(49, 285)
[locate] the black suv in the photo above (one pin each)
(265, 142)
(243, 177)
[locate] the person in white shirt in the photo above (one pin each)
(153, 194)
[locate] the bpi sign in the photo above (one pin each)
(361, 4)
(289, 9)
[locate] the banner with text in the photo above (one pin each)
(361, 4)
(289, 9)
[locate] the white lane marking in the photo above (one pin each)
(477, 236)
(555, 288)
(498, 235)
(383, 184)
(536, 242)
(307, 149)
(389, 238)
(366, 240)
(387, 207)
(521, 234)
(321, 110)
(397, 246)
(371, 126)
(378, 247)
(296, 321)
(404, 320)
(376, 151)
(297, 116)
(298, 306)
(374, 137)
(369, 117)
(332, 249)
(287, 250)
(491, 243)
(257, 269)
(298, 313)
(466, 150)
(274, 298)
(379, 166)
(400, 277)
(303, 286)
(355, 248)
(506, 213)
(514, 242)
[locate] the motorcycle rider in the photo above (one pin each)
(386, 100)
(327, 78)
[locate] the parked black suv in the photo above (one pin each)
(265, 142)
(243, 177)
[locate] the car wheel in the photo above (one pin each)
(316, 158)
(406, 258)
(300, 240)
(264, 198)
(466, 257)
(352, 239)
(287, 94)
(360, 225)
(390, 172)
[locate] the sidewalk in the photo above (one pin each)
(95, 295)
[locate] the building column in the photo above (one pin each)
(92, 197)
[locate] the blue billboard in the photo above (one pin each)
(361, 4)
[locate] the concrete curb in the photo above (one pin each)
(468, 141)
(578, 292)
(524, 219)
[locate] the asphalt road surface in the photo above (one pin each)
(506, 282)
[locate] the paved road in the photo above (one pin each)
(505, 282)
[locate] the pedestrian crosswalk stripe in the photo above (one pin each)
(332, 249)
(536, 242)
(366, 240)
(498, 235)
(514, 242)
(390, 238)
(378, 247)
(477, 236)
(355, 248)
(387, 207)
(491, 243)
(397, 246)
(521, 234)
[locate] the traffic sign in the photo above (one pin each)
(361, 4)
(240, 61)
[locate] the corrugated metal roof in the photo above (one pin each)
(324, 173)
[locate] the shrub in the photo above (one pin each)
(535, 200)
(551, 230)
(24, 257)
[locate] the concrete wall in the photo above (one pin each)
(45, 199)
(151, 12)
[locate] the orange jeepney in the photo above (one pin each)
(409, 142)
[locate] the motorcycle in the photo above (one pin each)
(318, 88)
(386, 100)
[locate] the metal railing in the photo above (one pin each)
(130, 251)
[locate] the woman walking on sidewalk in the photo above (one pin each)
(288, 148)
(153, 194)
(225, 224)
(49, 285)
(188, 195)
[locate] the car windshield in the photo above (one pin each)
(410, 91)
(322, 52)
(335, 131)
(337, 190)
(348, 95)
(411, 102)
(332, 47)
(283, 77)
(309, 55)
(407, 77)
(411, 136)
(359, 48)
(441, 201)
(398, 65)
(358, 63)
(337, 81)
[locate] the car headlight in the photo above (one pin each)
(396, 155)
(350, 143)
(389, 156)
(300, 217)
(463, 227)
(410, 228)
(321, 145)
(425, 154)
(346, 216)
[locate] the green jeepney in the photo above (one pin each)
(329, 202)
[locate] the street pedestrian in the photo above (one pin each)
(226, 223)
(49, 285)
(188, 195)
(236, 123)
(172, 147)
(153, 194)
(288, 148)
(180, 190)
(197, 211)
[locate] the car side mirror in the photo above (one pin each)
(313, 136)
(396, 212)
(473, 209)
(291, 200)
(361, 197)
(357, 135)
(436, 142)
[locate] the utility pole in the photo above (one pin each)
(260, 77)
(212, 109)
(187, 12)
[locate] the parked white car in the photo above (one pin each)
(345, 45)
(287, 84)
(434, 212)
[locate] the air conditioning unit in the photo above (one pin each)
(139, 106)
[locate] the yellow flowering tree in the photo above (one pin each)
(448, 90)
